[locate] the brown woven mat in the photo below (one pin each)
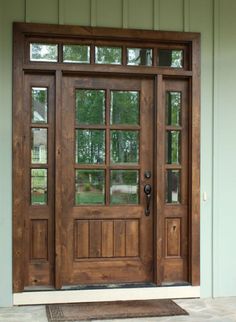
(112, 310)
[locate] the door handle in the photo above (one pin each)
(148, 191)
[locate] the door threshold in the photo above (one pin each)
(99, 295)
(106, 286)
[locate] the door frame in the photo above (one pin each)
(25, 32)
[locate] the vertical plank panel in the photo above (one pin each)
(109, 13)
(95, 237)
(39, 239)
(42, 11)
(77, 12)
(81, 239)
(132, 238)
(119, 238)
(141, 14)
(107, 238)
(171, 15)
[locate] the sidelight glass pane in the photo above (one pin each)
(139, 56)
(124, 187)
(39, 97)
(39, 186)
(44, 52)
(173, 186)
(173, 147)
(124, 146)
(89, 187)
(90, 106)
(108, 55)
(90, 146)
(39, 138)
(76, 54)
(171, 58)
(173, 108)
(124, 107)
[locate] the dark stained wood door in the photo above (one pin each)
(107, 159)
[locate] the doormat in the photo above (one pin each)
(112, 310)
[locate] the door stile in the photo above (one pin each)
(58, 182)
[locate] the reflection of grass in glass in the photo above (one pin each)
(124, 198)
(40, 199)
(90, 197)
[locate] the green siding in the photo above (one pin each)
(215, 19)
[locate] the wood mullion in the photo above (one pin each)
(107, 186)
(90, 166)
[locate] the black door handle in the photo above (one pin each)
(148, 191)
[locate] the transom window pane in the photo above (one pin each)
(76, 54)
(39, 96)
(90, 146)
(173, 186)
(171, 58)
(124, 146)
(89, 187)
(39, 186)
(39, 142)
(139, 56)
(124, 107)
(173, 108)
(124, 187)
(44, 52)
(108, 55)
(90, 106)
(173, 147)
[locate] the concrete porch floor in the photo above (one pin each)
(215, 310)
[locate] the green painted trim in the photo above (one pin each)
(125, 14)
(186, 15)
(156, 14)
(61, 10)
(93, 13)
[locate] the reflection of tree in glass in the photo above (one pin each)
(125, 107)
(39, 104)
(173, 107)
(76, 53)
(177, 58)
(44, 52)
(125, 146)
(108, 55)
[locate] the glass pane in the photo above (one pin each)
(124, 107)
(39, 138)
(124, 146)
(171, 58)
(90, 146)
(173, 147)
(173, 108)
(173, 186)
(39, 96)
(139, 56)
(44, 52)
(76, 54)
(39, 178)
(89, 187)
(90, 106)
(108, 55)
(124, 187)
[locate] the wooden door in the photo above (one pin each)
(107, 159)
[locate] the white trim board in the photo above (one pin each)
(119, 294)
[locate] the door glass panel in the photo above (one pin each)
(90, 106)
(139, 56)
(173, 108)
(38, 145)
(124, 107)
(39, 186)
(39, 97)
(124, 146)
(173, 186)
(173, 147)
(90, 146)
(171, 58)
(89, 187)
(124, 188)
(76, 54)
(44, 52)
(108, 55)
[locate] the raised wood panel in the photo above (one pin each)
(172, 15)
(173, 237)
(76, 12)
(109, 13)
(42, 11)
(39, 239)
(140, 14)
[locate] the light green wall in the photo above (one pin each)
(215, 19)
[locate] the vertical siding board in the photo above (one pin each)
(109, 13)
(61, 11)
(42, 11)
(93, 21)
(125, 14)
(171, 15)
(77, 12)
(156, 14)
(186, 15)
(141, 14)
